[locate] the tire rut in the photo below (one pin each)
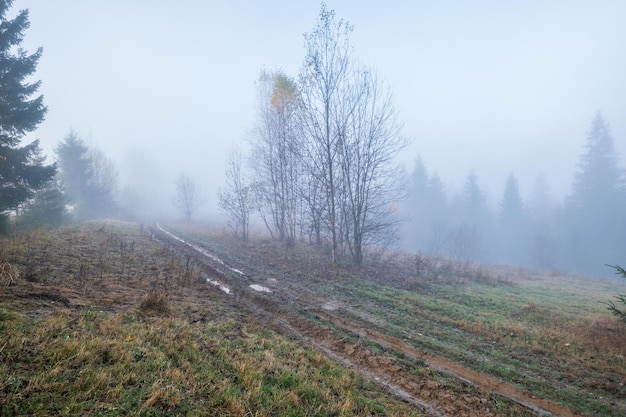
(298, 312)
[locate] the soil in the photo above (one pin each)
(356, 342)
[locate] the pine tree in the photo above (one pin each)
(22, 167)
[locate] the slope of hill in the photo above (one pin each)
(108, 318)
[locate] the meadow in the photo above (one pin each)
(102, 319)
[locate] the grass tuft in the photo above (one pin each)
(155, 304)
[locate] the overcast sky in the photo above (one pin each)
(494, 86)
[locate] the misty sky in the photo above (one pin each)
(483, 85)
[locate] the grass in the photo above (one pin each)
(525, 334)
(95, 364)
(548, 334)
(140, 335)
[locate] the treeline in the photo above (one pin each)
(321, 169)
(81, 183)
(580, 234)
(321, 164)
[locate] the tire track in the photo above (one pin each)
(300, 313)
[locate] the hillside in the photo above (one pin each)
(106, 319)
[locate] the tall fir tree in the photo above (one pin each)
(22, 167)
(594, 220)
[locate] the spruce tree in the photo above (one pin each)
(22, 167)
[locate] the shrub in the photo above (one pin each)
(155, 303)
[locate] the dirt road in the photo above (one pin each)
(360, 343)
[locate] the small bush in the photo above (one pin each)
(8, 273)
(155, 304)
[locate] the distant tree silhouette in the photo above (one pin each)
(598, 181)
(439, 214)
(511, 210)
(427, 210)
(75, 169)
(542, 239)
(474, 209)
(88, 176)
(470, 226)
(594, 212)
(418, 206)
(235, 200)
(512, 223)
(188, 198)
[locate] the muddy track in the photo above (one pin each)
(354, 342)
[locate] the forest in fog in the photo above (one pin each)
(581, 233)
(319, 165)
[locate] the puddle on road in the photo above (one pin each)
(220, 285)
(330, 306)
(260, 288)
(200, 250)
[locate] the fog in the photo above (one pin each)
(488, 87)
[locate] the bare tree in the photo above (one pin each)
(352, 137)
(188, 197)
(276, 150)
(372, 180)
(322, 78)
(235, 199)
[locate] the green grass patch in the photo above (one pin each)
(77, 363)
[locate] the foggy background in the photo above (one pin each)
(492, 88)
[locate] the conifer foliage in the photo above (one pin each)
(620, 298)
(22, 167)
